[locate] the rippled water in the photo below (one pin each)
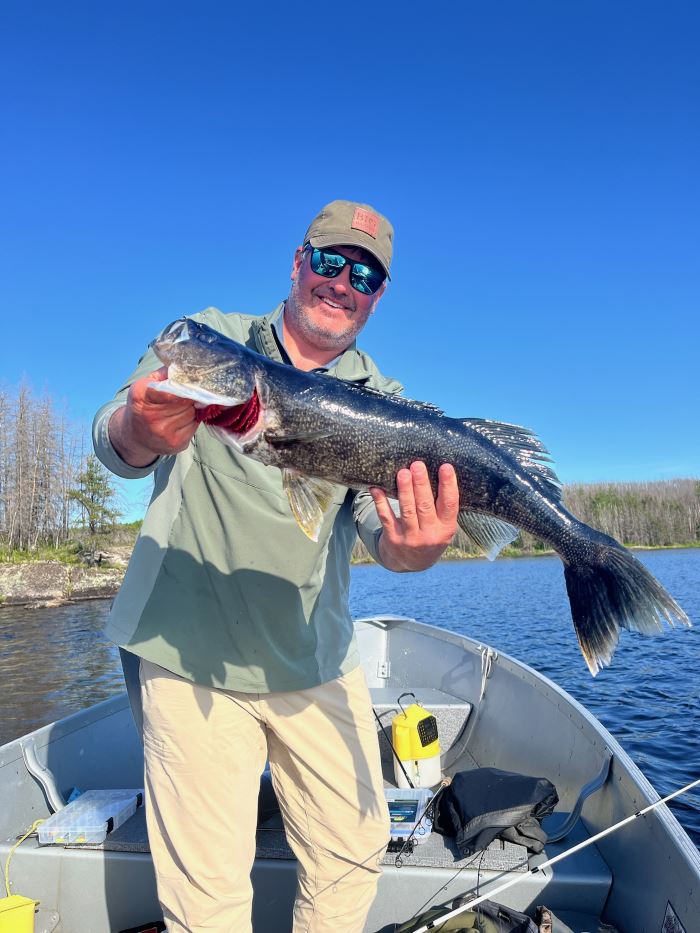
(55, 661)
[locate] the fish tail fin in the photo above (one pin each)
(615, 591)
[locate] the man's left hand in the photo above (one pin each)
(415, 539)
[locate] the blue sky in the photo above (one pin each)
(540, 162)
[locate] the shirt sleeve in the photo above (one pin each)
(369, 528)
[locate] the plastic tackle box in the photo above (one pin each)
(89, 818)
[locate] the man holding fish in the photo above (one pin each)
(241, 625)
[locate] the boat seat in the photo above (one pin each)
(581, 882)
(271, 843)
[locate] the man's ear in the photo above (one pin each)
(377, 295)
(296, 264)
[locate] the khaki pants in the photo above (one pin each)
(205, 750)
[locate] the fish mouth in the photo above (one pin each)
(238, 420)
(177, 332)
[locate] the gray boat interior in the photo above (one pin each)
(492, 711)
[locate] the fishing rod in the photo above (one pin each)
(391, 746)
(438, 921)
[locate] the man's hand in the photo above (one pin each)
(151, 423)
(416, 539)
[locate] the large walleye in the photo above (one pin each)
(320, 430)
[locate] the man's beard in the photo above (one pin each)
(315, 333)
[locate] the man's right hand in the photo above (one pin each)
(152, 423)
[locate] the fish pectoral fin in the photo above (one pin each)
(309, 500)
(489, 534)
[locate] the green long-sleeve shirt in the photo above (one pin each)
(223, 588)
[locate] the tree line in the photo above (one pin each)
(49, 485)
(649, 514)
(662, 513)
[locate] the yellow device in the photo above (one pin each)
(414, 735)
(17, 914)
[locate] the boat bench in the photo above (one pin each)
(581, 882)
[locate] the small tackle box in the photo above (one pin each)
(88, 818)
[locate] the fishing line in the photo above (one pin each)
(391, 746)
(439, 921)
(444, 887)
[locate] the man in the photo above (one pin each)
(241, 624)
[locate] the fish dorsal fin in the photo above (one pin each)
(309, 500)
(489, 534)
(525, 447)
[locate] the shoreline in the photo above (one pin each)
(40, 584)
(36, 584)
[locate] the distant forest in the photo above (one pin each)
(653, 514)
(665, 513)
(49, 486)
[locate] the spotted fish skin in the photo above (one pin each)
(319, 430)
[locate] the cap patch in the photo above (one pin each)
(365, 221)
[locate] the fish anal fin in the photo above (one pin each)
(309, 500)
(489, 534)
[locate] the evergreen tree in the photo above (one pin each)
(95, 495)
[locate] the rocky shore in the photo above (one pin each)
(51, 582)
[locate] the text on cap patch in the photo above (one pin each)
(365, 221)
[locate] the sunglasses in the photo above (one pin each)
(363, 278)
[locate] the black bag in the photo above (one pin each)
(485, 803)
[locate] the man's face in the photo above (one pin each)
(328, 313)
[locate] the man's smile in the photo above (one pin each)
(331, 302)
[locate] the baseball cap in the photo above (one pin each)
(349, 223)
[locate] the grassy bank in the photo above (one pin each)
(114, 545)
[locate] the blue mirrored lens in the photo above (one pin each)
(328, 264)
(363, 278)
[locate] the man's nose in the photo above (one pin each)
(341, 283)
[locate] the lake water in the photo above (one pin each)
(55, 661)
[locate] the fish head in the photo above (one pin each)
(204, 364)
